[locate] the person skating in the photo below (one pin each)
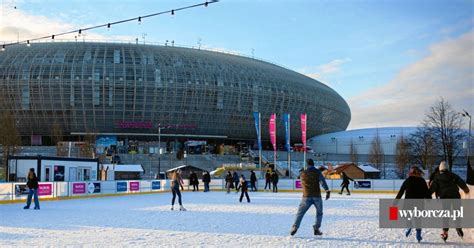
(229, 182)
(236, 180)
(311, 178)
(194, 181)
(176, 183)
(446, 185)
(253, 181)
(33, 189)
(243, 186)
(414, 187)
(206, 179)
(275, 181)
(268, 180)
(345, 183)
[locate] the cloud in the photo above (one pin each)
(446, 71)
(324, 71)
(15, 22)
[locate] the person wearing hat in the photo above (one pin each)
(33, 189)
(311, 178)
(446, 185)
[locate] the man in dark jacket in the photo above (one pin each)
(275, 181)
(194, 181)
(310, 180)
(345, 183)
(229, 182)
(206, 179)
(268, 180)
(236, 181)
(33, 189)
(446, 185)
(253, 181)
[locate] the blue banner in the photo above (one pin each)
(286, 120)
(256, 116)
(121, 186)
(155, 185)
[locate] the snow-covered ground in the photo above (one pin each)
(212, 219)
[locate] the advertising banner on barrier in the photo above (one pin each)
(93, 188)
(45, 189)
(134, 186)
(298, 184)
(121, 186)
(362, 185)
(78, 188)
(21, 189)
(155, 185)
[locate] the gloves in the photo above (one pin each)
(328, 194)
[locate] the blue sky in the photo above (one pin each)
(355, 47)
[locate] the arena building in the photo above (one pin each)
(128, 89)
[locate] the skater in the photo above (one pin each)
(194, 181)
(268, 179)
(311, 178)
(445, 186)
(206, 179)
(32, 189)
(243, 185)
(345, 183)
(235, 177)
(414, 187)
(275, 181)
(176, 183)
(253, 181)
(229, 182)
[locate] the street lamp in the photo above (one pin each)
(466, 114)
(159, 150)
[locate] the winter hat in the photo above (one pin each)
(442, 166)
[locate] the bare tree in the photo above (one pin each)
(9, 138)
(87, 150)
(353, 153)
(445, 124)
(402, 155)
(423, 148)
(57, 133)
(376, 152)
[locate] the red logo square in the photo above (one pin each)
(393, 213)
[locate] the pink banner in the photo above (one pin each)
(303, 130)
(45, 189)
(272, 126)
(298, 184)
(79, 188)
(134, 186)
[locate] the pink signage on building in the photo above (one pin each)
(134, 186)
(45, 189)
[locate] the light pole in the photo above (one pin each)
(159, 150)
(466, 114)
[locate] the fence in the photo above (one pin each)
(18, 191)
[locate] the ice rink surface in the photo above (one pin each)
(212, 219)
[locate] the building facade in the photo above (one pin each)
(111, 88)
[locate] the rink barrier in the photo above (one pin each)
(17, 192)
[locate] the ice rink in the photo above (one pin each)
(212, 219)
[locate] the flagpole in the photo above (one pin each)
(289, 146)
(259, 146)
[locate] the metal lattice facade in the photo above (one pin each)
(91, 86)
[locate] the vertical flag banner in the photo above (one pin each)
(272, 127)
(256, 116)
(303, 137)
(303, 130)
(286, 120)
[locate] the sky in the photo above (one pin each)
(390, 60)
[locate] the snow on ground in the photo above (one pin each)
(212, 219)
